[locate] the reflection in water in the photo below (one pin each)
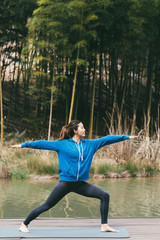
(137, 197)
(1, 212)
(67, 208)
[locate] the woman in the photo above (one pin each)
(75, 157)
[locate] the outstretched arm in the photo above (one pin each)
(40, 144)
(133, 137)
(16, 146)
(107, 140)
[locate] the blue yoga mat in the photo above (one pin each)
(63, 232)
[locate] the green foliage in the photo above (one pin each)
(120, 169)
(18, 173)
(14, 15)
(131, 167)
(91, 18)
(149, 170)
(92, 170)
(105, 168)
(118, 42)
(76, 4)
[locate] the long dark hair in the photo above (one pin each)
(67, 131)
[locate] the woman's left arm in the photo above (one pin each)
(133, 137)
(110, 139)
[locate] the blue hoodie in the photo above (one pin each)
(75, 159)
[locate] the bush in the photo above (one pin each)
(120, 169)
(18, 173)
(105, 168)
(92, 170)
(131, 167)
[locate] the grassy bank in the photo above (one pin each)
(126, 159)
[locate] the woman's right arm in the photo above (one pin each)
(16, 146)
(41, 144)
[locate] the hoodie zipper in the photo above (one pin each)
(80, 157)
(78, 168)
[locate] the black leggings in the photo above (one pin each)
(63, 188)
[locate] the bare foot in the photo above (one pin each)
(107, 228)
(23, 228)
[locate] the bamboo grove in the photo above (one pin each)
(97, 61)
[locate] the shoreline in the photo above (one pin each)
(47, 177)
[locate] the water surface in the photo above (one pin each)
(133, 197)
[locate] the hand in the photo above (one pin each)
(16, 146)
(133, 137)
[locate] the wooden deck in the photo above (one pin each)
(138, 228)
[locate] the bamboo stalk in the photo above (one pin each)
(150, 79)
(93, 99)
(74, 88)
(51, 107)
(149, 112)
(75, 75)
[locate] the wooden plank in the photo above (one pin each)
(138, 228)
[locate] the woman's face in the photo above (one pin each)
(80, 131)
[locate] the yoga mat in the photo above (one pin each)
(62, 232)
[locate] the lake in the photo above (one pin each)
(129, 197)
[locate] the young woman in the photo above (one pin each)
(75, 157)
